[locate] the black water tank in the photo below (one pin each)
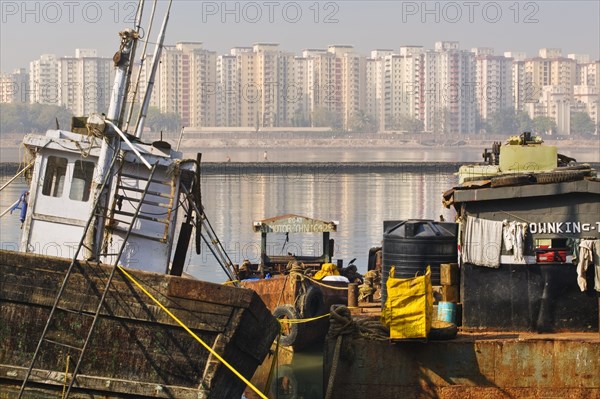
(411, 245)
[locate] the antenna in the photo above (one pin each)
(139, 72)
(157, 52)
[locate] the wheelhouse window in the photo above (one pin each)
(54, 178)
(83, 172)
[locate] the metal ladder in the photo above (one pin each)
(81, 350)
(132, 195)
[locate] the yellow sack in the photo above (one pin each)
(409, 306)
(327, 269)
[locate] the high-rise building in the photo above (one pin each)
(550, 69)
(186, 83)
(14, 87)
(350, 73)
(554, 103)
(394, 89)
(494, 84)
(227, 91)
(81, 83)
(44, 82)
(324, 88)
(85, 82)
(449, 89)
(587, 99)
(375, 88)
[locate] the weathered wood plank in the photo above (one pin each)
(190, 289)
(135, 345)
(102, 388)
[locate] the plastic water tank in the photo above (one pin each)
(411, 245)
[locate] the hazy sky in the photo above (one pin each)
(29, 29)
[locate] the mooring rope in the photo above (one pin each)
(189, 331)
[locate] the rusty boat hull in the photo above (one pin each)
(483, 365)
(136, 350)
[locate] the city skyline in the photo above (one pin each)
(505, 26)
(445, 89)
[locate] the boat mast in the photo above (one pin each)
(157, 52)
(139, 72)
(111, 142)
(138, 27)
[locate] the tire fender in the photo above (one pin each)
(289, 331)
(311, 302)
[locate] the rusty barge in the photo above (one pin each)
(94, 303)
(530, 310)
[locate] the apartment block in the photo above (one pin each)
(554, 103)
(14, 87)
(227, 92)
(85, 82)
(449, 89)
(494, 84)
(44, 82)
(263, 86)
(185, 83)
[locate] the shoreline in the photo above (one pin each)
(259, 147)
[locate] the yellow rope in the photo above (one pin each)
(197, 338)
(300, 321)
(66, 376)
(320, 283)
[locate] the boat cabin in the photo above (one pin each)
(66, 175)
(294, 224)
(520, 236)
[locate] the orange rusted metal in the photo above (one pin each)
(490, 365)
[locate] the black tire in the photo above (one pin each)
(441, 330)
(561, 177)
(289, 331)
(286, 383)
(583, 166)
(512, 180)
(311, 302)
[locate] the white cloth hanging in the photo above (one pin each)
(588, 251)
(513, 237)
(482, 243)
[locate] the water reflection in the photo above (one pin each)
(359, 201)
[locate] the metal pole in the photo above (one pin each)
(10, 207)
(25, 169)
(157, 52)
(139, 73)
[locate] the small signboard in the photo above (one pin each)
(294, 224)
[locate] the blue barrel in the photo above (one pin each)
(447, 312)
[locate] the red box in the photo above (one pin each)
(550, 256)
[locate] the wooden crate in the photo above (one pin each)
(451, 293)
(449, 274)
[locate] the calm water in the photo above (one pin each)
(235, 196)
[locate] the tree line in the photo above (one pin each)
(37, 118)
